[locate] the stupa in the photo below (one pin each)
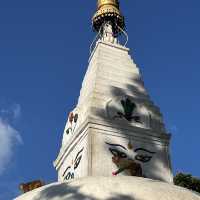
(115, 145)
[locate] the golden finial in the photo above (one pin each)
(108, 11)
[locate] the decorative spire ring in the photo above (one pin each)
(108, 11)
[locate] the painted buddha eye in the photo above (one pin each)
(118, 153)
(143, 158)
(123, 155)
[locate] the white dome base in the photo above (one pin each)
(110, 188)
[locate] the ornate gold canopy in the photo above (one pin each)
(108, 11)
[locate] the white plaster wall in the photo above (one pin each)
(157, 168)
(112, 76)
(69, 161)
(107, 188)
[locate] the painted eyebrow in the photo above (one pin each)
(78, 154)
(66, 171)
(142, 149)
(117, 145)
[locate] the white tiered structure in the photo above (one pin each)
(103, 126)
(115, 146)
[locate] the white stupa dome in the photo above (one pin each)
(110, 188)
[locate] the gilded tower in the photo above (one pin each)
(108, 11)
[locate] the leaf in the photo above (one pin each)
(187, 181)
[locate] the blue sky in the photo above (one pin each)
(44, 49)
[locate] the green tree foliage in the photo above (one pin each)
(187, 181)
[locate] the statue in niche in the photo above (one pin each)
(108, 33)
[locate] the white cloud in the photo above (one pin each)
(9, 136)
(16, 109)
(11, 113)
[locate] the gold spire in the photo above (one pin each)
(108, 11)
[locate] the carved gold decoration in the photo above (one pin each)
(108, 11)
